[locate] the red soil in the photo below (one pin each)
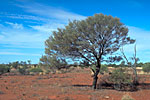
(75, 85)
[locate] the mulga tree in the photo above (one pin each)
(132, 63)
(91, 40)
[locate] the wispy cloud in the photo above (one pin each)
(142, 37)
(15, 25)
(20, 54)
(50, 12)
(23, 38)
(142, 43)
(47, 28)
(23, 16)
(51, 18)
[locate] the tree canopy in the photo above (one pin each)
(88, 40)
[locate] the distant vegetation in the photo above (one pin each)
(24, 67)
(4, 68)
(146, 67)
(118, 74)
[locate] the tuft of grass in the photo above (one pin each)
(44, 98)
(35, 95)
(127, 97)
(68, 98)
(1, 92)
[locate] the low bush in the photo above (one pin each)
(120, 79)
(4, 69)
(36, 70)
(127, 97)
(102, 70)
(23, 70)
(146, 67)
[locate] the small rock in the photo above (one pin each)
(107, 97)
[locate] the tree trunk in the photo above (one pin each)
(135, 81)
(95, 77)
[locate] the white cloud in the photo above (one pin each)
(142, 43)
(47, 28)
(142, 37)
(50, 12)
(22, 38)
(15, 25)
(17, 53)
(23, 17)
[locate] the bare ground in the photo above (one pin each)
(75, 85)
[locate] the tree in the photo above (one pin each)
(90, 40)
(15, 64)
(4, 69)
(29, 62)
(132, 63)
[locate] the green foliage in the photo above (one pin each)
(113, 65)
(29, 62)
(36, 70)
(146, 67)
(120, 78)
(20, 66)
(102, 70)
(90, 39)
(140, 64)
(23, 70)
(53, 62)
(17, 64)
(4, 69)
(14, 64)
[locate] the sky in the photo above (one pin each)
(26, 24)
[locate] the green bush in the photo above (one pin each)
(53, 62)
(23, 70)
(146, 67)
(120, 79)
(102, 70)
(36, 70)
(4, 69)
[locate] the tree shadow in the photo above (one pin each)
(144, 86)
(126, 88)
(78, 85)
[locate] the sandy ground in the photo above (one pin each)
(74, 85)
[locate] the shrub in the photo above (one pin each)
(4, 69)
(23, 70)
(127, 97)
(146, 67)
(36, 70)
(120, 79)
(102, 70)
(53, 62)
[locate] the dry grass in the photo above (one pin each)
(127, 97)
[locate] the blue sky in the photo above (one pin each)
(26, 24)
